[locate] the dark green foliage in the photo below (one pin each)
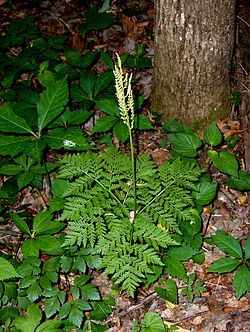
(99, 205)
(238, 262)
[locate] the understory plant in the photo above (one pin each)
(127, 209)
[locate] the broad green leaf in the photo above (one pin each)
(227, 243)
(241, 183)
(182, 253)
(120, 130)
(30, 321)
(34, 292)
(59, 187)
(95, 21)
(142, 122)
(225, 162)
(224, 265)
(28, 281)
(11, 123)
(170, 293)
(7, 271)
(24, 179)
(20, 223)
(103, 82)
(93, 261)
(50, 326)
(43, 224)
(206, 192)
(65, 310)
(76, 316)
(175, 268)
(12, 145)
(247, 248)
(212, 135)
(70, 118)
(102, 309)
(52, 305)
(10, 169)
(173, 126)
(68, 139)
(104, 123)
(75, 58)
(241, 281)
(87, 82)
(108, 105)
(152, 322)
(185, 144)
(89, 292)
(30, 248)
(51, 102)
(106, 58)
(49, 245)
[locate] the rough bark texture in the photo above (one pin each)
(193, 53)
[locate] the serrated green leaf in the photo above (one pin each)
(76, 316)
(93, 261)
(247, 248)
(28, 281)
(11, 123)
(170, 293)
(50, 326)
(182, 253)
(51, 102)
(185, 144)
(175, 268)
(96, 21)
(241, 281)
(49, 244)
(7, 271)
(152, 322)
(108, 105)
(89, 292)
(173, 126)
(141, 122)
(225, 162)
(52, 305)
(87, 82)
(34, 292)
(212, 135)
(12, 145)
(103, 82)
(20, 223)
(24, 179)
(104, 123)
(30, 321)
(65, 310)
(30, 248)
(66, 263)
(67, 138)
(10, 169)
(241, 183)
(42, 224)
(75, 58)
(102, 309)
(120, 130)
(227, 243)
(224, 265)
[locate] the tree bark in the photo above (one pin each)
(193, 54)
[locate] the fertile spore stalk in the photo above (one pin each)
(125, 99)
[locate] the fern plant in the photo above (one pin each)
(126, 209)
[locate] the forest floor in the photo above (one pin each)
(218, 308)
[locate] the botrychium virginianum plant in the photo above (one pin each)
(127, 209)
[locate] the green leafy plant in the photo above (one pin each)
(239, 261)
(185, 142)
(126, 210)
(194, 287)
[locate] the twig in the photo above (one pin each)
(243, 21)
(125, 312)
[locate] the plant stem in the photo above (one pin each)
(133, 165)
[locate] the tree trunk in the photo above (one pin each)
(193, 54)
